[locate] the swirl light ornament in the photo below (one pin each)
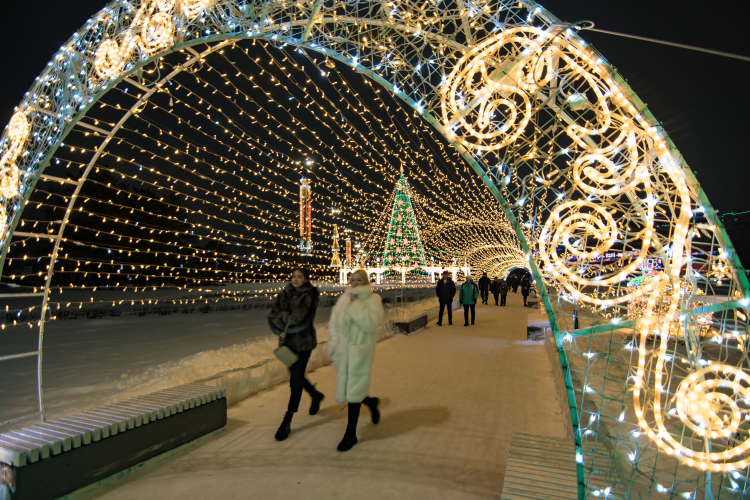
(707, 401)
(500, 111)
(17, 133)
(109, 60)
(151, 30)
(193, 8)
(157, 32)
(590, 184)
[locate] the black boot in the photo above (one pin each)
(348, 442)
(316, 400)
(350, 436)
(286, 427)
(372, 404)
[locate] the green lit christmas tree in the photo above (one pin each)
(403, 247)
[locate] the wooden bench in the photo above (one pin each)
(536, 325)
(540, 467)
(51, 459)
(406, 324)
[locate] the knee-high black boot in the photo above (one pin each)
(372, 404)
(350, 436)
(286, 426)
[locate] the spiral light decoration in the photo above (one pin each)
(152, 30)
(18, 132)
(486, 104)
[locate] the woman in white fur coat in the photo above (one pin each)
(351, 346)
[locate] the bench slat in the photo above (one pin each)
(41, 440)
(540, 468)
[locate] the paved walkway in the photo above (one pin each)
(451, 398)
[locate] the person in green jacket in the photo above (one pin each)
(468, 298)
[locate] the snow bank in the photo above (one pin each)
(207, 364)
(91, 362)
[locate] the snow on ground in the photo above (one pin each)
(91, 362)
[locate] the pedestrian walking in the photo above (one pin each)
(468, 298)
(525, 288)
(502, 289)
(445, 291)
(513, 282)
(291, 318)
(494, 289)
(351, 346)
(484, 287)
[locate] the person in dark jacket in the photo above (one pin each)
(293, 310)
(502, 289)
(525, 288)
(484, 287)
(513, 283)
(468, 298)
(445, 291)
(493, 288)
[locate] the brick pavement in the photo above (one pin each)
(451, 398)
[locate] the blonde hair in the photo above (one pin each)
(362, 273)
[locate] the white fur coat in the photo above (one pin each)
(351, 346)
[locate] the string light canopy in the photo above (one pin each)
(480, 238)
(163, 146)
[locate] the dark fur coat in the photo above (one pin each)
(296, 305)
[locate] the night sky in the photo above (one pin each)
(698, 97)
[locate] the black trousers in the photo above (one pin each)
(502, 300)
(450, 312)
(497, 296)
(485, 295)
(298, 381)
(466, 313)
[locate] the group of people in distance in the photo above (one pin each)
(470, 292)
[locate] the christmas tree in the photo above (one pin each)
(403, 247)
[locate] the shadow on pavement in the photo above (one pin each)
(403, 422)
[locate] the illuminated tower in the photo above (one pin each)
(348, 252)
(335, 260)
(305, 218)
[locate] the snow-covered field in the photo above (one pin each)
(90, 362)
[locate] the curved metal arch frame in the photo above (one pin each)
(156, 87)
(222, 41)
(271, 33)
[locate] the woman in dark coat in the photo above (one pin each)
(294, 310)
(502, 289)
(494, 290)
(525, 288)
(513, 283)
